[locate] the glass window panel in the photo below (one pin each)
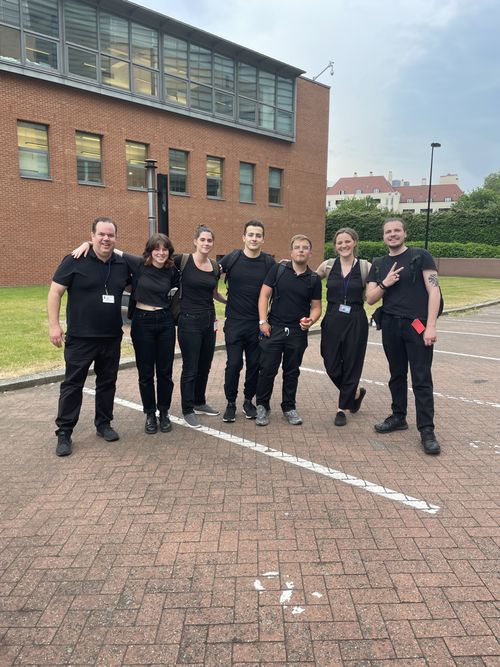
(41, 51)
(200, 64)
(9, 11)
(10, 44)
(114, 35)
(82, 63)
(144, 46)
(247, 110)
(88, 158)
(266, 117)
(115, 73)
(33, 145)
(223, 72)
(200, 97)
(136, 155)
(214, 177)
(145, 81)
(224, 104)
(175, 90)
(275, 181)
(247, 80)
(80, 23)
(178, 166)
(284, 98)
(246, 182)
(284, 122)
(175, 56)
(41, 16)
(267, 87)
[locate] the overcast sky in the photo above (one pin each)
(406, 73)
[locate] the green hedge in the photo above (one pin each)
(370, 249)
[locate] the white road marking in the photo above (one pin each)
(468, 333)
(458, 354)
(377, 383)
(338, 475)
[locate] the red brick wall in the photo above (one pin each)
(42, 220)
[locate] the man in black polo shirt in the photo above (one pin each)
(95, 284)
(407, 281)
(296, 305)
(245, 272)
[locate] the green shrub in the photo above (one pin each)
(370, 249)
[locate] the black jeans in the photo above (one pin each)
(242, 337)
(197, 342)
(79, 353)
(153, 336)
(403, 346)
(287, 344)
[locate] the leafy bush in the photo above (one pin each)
(370, 249)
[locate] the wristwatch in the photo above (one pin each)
(261, 322)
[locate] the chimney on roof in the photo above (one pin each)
(355, 173)
(371, 173)
(389, 177)
(424, 181)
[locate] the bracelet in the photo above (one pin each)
(381, 285)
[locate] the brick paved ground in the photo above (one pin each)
(187, 549)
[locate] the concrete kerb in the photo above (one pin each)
(48, 377)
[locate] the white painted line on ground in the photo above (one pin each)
(338, 475)
(377, 383)
(468, 333)
(458, 354)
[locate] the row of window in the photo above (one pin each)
(33, 146)
(90, 44)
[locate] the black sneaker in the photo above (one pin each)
(64, 444)
(392, 423)
(165, 423)
(249, 409)
(230, 413)
(357, 401)
(340, 419)
(109, 434)
(151, 425)
(429, 442)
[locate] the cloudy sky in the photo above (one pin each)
(406, 73)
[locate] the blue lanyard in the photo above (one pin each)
(346, 280)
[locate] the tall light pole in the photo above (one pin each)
(434, 145)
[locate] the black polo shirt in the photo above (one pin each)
(294, 295)
(87, 279)
(244, 281)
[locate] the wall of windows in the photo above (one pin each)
(94, 46)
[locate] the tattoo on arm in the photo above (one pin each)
(433, 279)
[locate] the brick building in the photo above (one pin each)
(89, 91)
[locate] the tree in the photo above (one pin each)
(492, 182)
(481, 198)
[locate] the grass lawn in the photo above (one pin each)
(25, 346)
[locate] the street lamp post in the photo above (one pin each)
(434, 145)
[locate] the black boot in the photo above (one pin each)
(165, 423)
(151, 425)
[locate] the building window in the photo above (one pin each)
(88, 158)
(247, 171)
(409, 200)
(376, 190)
(359, 192)
(80, 24)
(41, 16)
(33, 145)
(178, 171)
(10, 44)
(41, 52)
(136, 155)
(447, 199)
(275, 185)
(214, 177)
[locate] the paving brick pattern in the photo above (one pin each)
(186, 549)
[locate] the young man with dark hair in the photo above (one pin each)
(95, 285)
(245, 272)
(407, 281)
(296, 305)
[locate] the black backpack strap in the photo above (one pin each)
(232, 258)
(282, 266)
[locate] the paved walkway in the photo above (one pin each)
(245, 546)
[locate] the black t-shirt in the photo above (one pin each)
(345, 289)
(197, 287)
(245, 279)
(151, 285)
(408, 297)
(87, 280)
(294, 295)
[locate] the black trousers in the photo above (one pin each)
(153, 336)
(197, 342)
(79, 353)
(284, 344)
(344, 337)
(403, 346)
(242, 338)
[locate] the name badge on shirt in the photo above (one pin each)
(344, 308)
(108, 298)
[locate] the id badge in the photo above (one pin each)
(344, 308)
(108, 298)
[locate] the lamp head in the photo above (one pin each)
(435, 144)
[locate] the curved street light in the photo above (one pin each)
(434, 145)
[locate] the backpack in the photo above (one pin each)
(363, 267)
(175, 294)
(282, 266)
(234, 255)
